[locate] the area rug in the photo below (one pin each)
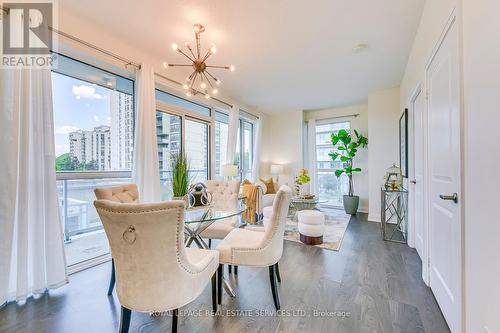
(336, 222)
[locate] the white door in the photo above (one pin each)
(418, 182)
(444, 178)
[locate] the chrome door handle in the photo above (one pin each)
(453, 197)
(413, 181)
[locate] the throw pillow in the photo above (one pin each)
(269, 185)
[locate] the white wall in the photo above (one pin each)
(361, 124)
(434, 18)
(481, 52)
(383, 117)
(282, 144)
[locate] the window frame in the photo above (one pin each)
(75, 175)
(186, 114)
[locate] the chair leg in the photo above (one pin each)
(210, 243)
(174, 321)
(235, 270)
(278, 276)
(229, 269)
(125, 320)
(220, 272)
(274, 287)
(112, 279)
(214, 293)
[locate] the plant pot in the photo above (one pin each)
(184, 198)
(351, 204)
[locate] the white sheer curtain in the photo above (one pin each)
(31, 238)
(232, 135)
(146, 168)
(256, 150)
(311, 152)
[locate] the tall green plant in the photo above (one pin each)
(180, 174)
(348, 148)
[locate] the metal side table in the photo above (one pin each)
(394, 215)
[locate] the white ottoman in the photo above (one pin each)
(311, 226)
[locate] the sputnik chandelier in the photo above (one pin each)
(200, 73)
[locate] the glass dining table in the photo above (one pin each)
(198, 219)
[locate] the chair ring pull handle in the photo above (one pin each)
(129, 235)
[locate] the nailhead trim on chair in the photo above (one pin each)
(176, 235)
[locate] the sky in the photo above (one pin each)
(77, 105)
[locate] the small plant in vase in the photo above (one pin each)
(302, 180)
(348, 148)
(180, 177)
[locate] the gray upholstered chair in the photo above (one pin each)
(154, 269)
(127, 193)
(249, 247)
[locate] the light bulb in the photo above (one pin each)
(207, 96)
(196, 28)
(188, 78)
(215, 91)
(186, 44)
(185, 86)
(175, 47)
(218, 82)
(203, 85)
(165, 64)
(213, 49)
(231, 68)
(188, 94)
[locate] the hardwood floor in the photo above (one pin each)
(376, 285)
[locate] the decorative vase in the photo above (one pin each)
(351, 204)
(304, 189)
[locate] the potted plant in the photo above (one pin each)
(302, 181)
(180, 176)
(347, 151)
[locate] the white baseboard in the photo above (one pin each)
(374, 218)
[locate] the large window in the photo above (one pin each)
(221, 135)
(182, 125)
(94, 133)
(331, 188)
(244, 148)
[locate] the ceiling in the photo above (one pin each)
(288, 54)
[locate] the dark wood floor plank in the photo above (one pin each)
(376, 285)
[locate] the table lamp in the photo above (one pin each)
(276, 169)
(229, 170)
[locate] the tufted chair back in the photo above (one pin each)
(153, 270)
(224, 194)
(276, 225)
(127, 193)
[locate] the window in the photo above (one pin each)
(94, 133)
(221, 135)
(197, 150)
(169, 138)
(186, 128)
(244, 148)
(331, 188)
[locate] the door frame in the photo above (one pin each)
(417, 91)
(452, 19)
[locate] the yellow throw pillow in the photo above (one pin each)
(269, 185)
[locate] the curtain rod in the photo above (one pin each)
(336, 117)
(127, 62)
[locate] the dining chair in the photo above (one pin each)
(155, 272)
(127, 193)
(249, 247)
(224, 197)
